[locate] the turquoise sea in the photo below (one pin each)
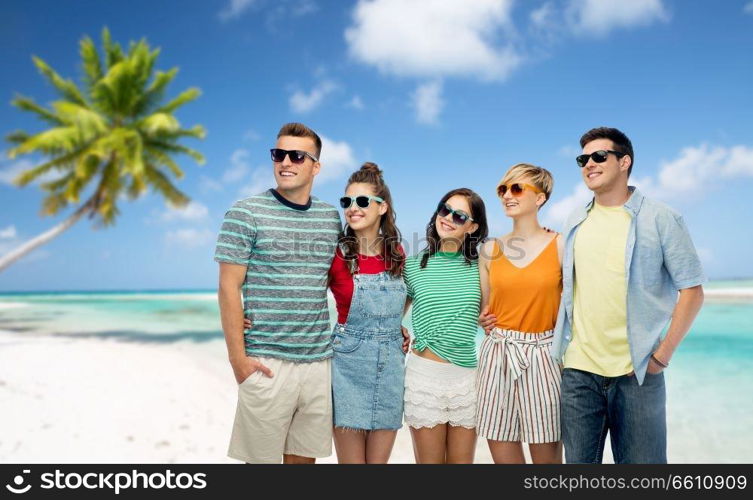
(710, 404)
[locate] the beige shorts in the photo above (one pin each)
(289, 413)
(518, 388)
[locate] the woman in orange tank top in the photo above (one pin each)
(518, 382)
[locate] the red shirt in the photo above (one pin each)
(341, 281)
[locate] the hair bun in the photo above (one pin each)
(371, 168)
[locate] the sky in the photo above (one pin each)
(439, 93)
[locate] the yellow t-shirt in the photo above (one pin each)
(600, 343)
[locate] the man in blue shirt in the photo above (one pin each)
(629, 267)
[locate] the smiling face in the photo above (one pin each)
(609, 175)
(364, 219)
(528, 202)
(447, 229)
(291, 176)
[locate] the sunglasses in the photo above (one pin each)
(599, 156)
(362, 201)
(458, 216)
(516, 189)
(296, 155)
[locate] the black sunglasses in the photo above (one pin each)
(296, 155)
(458, 216)
(362, 201)
(599, 156)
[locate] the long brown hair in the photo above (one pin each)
(390, 236)
(469, 247)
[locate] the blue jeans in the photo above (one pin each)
(633, 414)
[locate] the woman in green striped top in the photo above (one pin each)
(443, 286)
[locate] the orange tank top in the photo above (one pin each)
(525, 299)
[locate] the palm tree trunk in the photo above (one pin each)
(12, 256)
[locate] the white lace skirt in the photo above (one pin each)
(439, 393)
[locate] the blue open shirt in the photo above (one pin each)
(660, 259)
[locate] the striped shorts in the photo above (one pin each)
(518, 386)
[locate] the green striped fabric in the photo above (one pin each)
(446, 300)
(287, 253)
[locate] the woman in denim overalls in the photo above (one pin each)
(369, 355)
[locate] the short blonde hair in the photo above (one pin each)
(538, 176)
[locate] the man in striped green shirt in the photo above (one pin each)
(275, 250)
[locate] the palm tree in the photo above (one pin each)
(115, 139)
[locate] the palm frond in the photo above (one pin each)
(17, 137)
(160, 158)
(53, 203)
(136, 188)
(91, 62)
(169, 147)
(184, 97)
(197, 132)
(113, 52)
(52, 142)
(66, 88)
(162, 184)
(89, 123)
(107, 193)
(159, 124)
(28, 104)
(155, 92)
(59, 162)
(57, 184)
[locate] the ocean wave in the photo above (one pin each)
(13, 305)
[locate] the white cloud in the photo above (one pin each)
(690, 173)
(303, 7)
(433, 38)
(194, 211)
(209, 185)
(239, 166)
(428, 103)
(337, 159)
(696, 166)
(599, 17)
(543, 17)
(9, 233)
(569, 152)
(235, 8)
(260, 179)
(191, 238)
(302, 102)
(251, 135)
(739, 162)
(748, 9)
(559, 211)
(356, 103)
(280, 13)
(10, 171)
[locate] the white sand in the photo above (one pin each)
(67, 400)
(735, 294)
(86, 400)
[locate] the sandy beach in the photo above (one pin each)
(91, 382)
(70, 400)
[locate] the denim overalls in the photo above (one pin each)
(368, 367)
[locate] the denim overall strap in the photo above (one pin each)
(376, 308)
